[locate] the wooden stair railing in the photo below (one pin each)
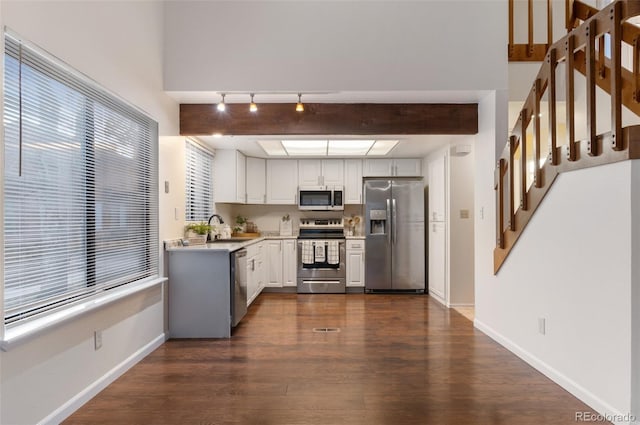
(580, 50)
(529, 51)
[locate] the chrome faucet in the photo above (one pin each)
(220, 220)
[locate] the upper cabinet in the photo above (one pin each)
(229, 178)
(377, 168)
(239, 179)
(282, 179)
(390, 167)
(437, 173)
(320, 172)
(353, 181)
(333, 172)
(256, 181)
(409, 167)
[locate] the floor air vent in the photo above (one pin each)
(326, 329)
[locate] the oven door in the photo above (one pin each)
(319, 275)
(314, 198)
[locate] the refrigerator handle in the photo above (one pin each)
(394, 214)
(388, 230)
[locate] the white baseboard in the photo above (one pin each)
(556, 376)
(462, 305)
(438, 298)
(88, 393)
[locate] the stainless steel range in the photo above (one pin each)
(321, 256)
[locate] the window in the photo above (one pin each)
(199, 183)
(80, 186)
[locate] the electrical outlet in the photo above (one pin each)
(97, 340)
(542, 325)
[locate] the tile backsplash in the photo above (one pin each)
(268, 217)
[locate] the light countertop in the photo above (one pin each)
(226, 246)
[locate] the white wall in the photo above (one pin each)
(577, 278)
(461, 172)
(172, 170)
(335, 46)
(119, 45)
(635, 291)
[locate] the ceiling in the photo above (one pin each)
(408, 146)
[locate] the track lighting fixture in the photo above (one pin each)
(222, 106)
(252, 106)
(299, 105)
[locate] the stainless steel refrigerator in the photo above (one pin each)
(394, 230)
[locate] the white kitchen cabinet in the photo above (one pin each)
(261, 272)
(256, 180)
(353, 181)
(333, 172)
(289, 262)
(392, 167)
(252, 282)
(309, 172)
(320, 172)
(229, 176)
(255, 271)
(437, 188)
(282, 181)
(409, 167)
(380, 167)
(355, 263)
(273, 263)
(437, 260)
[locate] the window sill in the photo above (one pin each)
(15, 335)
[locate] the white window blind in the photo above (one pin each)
(80, 186)
(199, 183)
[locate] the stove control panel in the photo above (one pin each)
(321, 223)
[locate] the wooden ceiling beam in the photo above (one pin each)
(329, 118)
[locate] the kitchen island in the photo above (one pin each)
(202, 285)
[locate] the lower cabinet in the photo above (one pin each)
(355, 263)
(281, 263)
(255, 271)
(289, 262)
(274, 263)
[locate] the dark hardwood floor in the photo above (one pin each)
(397, 359)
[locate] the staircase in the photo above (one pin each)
(594, 48)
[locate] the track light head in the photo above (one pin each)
(299, 105)
(222, 106)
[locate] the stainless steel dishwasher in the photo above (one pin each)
(238, 286)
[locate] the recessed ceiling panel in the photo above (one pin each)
(272, 147)
(349, 147)
(382, 147)
(305, 147)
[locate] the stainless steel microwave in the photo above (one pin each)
(321, 198)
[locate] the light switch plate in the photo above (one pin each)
(464, 213)
(97, 339)
(542, 325)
